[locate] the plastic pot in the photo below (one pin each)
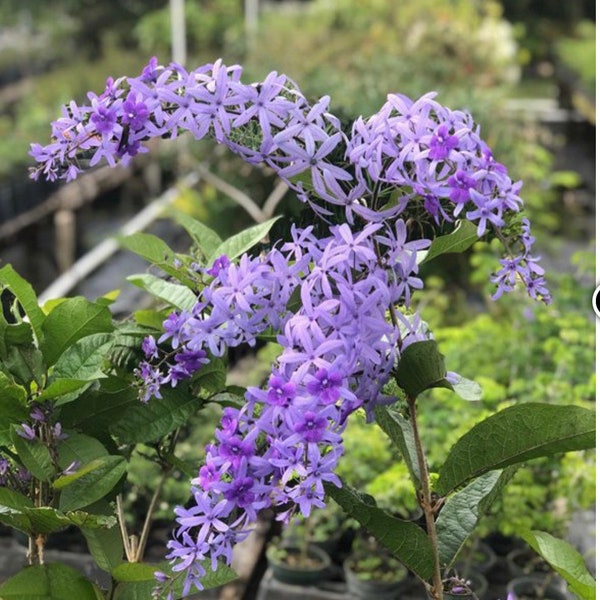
(365, 588)
(289, 565)
(535, 587)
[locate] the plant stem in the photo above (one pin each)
(426, 502)
(123, 528)
(148, 520)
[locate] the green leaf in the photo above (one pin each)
(91, 521)
(84, 359)
(25, 364)
(238, 244)
(24, 293)
(45, 520)
(514, 435)
(212, 377)
(151, 318)
(13, 407)
(461, 239)
(19, 514)
(175, 294)
(70, 321)
(17, 334)
(54, 581)
(62, 387)
(421, 367)
(462, 511)
(34, 455)
(205, 239)
(12, 505)
(150, 247)
(400, 432)
(133, 572)
(80, 448)
(234, 398)
(93, 484)
(105, 546)
(565, 560)
(157, 418)
(83, 470)
(98, 410)
(14, 517)
(12, 499)
(141, 589)
(406, 540)
(467, 389)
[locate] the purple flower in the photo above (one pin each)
(232, 448)
(135, 113)
(460, 186)
(37, 414)
(151, 380)
(71, 468)
(26, 432)
(442, 143)
(104, 119)
(205, 514)
(220, 263)
(280, 392)
(487, 209)
(325, 385)
(311, 427)
(149, 347)
(58, 433)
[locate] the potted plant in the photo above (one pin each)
(534, 587)
(371, 572)
(478, 557)
(472, 587)
(323, 528)
(300, 564)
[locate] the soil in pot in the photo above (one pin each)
(296, 566)
(375, 577)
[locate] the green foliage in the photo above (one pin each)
(73, 360)
(369, 562)
(462, 511)
(404, 539)
(207, 27)
(565, 560)
(374, 47)
(578, 52)
(52, 582)
(519, 433)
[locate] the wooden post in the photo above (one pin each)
(65, 239)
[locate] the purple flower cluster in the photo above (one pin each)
(338, 350)
(436, 154)
(41, 428)
(14, 477)
(354, 284)
(426, 152)
(522, 266)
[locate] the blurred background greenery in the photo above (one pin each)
(524, 68)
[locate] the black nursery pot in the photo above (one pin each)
(478, 586)
(286, 566)
(534, 588)
(373, 589)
